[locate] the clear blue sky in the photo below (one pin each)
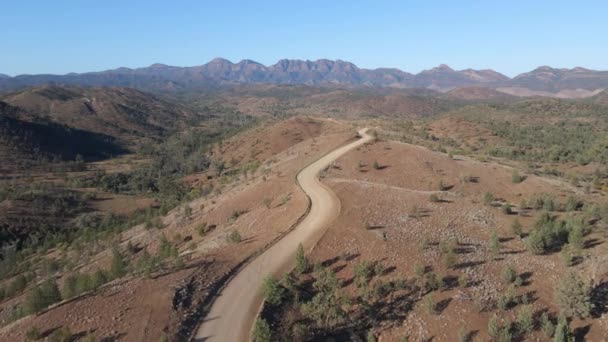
(509, 36)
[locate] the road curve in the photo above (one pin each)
(234, 311)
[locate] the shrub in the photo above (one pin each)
(525, 320)
(516, 177)
(547, 325)
(302, 263)
(33, 334)
(419, 270)
(463, 280)
(493, 327)
(494, 244)
(562, 331)
(567, 256)
(516, 228)
(41, 297)
(234, 236)
(201, 229)
(429, 304)
(535, 242)
(261, 331)
(273, 291)
(508, 274)
(575, 238)
(488, 198)
(443, 186)
(363, 272)
(449, 259)
(377, 165)
(62, 334)
(572, 204)
(507, 209)
(433, 283)
(118, 267)
(572, 295)
(434, 198)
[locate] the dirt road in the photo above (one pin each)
(234, 311)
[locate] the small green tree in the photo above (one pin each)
(429, 304)
(33, 334)
(535, 242)
(488, 198)
(508, 274)
(494, 244)
(516, 177)
(576, 239)
(302, 263)
(273, 291)
(261, 331)
(118, 267)
(562, 331)
(493, 327)
(516, 228)
(525, 320)
(547, 325)
(234, 236)
(572, 295)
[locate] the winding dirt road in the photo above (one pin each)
(234, 311)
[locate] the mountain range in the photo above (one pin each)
(576, 82)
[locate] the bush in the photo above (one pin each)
(33, 334)
(567, 256)
(488, 198)
(494, 244)
(234, 236)
(572, 295)
(516, 177)
(572, 204)
(562, 331)
(302, 263)
(449, 259)
(62, 334)
(516, 228)
(430, 305)
(525, 320)
(434, 198)
(261, 331)
(363, 272)
(118, 268)
(41, 297)
(493, 327)
(507, 209)
(508, 274)
(547, 325)
(576, 239)
(273, 291)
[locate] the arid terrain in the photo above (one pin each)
(471, 214)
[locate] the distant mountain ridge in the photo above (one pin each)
(219, 71)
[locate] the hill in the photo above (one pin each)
(601, 98)
(478, 93)
(25, 138)
(126, 114)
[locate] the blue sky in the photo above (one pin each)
(508, 36)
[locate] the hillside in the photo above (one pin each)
(125, 114)
(26, 138)
(479, 94)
